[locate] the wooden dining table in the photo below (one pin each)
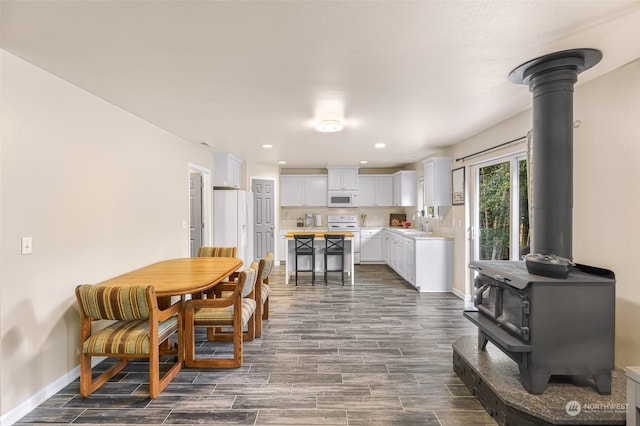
(178, 277)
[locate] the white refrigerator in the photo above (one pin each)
(233, 221)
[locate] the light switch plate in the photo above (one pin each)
(27, 245)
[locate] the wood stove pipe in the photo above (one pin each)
(551, 79)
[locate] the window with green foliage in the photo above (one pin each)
(503, 210)
(495, 211)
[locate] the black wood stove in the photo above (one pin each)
(551, 316)
(548, 326)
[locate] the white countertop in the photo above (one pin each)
(304, 229)
(405, 232)
(417, 234)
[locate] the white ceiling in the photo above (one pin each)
(415, 75)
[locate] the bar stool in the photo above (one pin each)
(334, 247)
(304, 247)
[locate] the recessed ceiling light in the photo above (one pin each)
(380, 145)
(267, 146)
(329, 126)
(282, 162)
(364, 162)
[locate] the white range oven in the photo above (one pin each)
(347, 223)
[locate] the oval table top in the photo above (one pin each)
(176, 277)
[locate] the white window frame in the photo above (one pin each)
(513, 159)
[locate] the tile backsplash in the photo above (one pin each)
(375, 216)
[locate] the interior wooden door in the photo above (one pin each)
(263, 216)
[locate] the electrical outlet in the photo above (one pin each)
(27, 245)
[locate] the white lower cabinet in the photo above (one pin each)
(425, 263)
(384, 236)
(434, 265)
(409, 260)
(394, 251)
(371, 245)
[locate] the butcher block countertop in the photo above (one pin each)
(319, 234)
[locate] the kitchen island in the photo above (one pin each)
(319, 247)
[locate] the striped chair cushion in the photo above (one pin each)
(127, 337)
(224, 316)
(114, 303)
(217, 252)
(268, 266)
(265, 292)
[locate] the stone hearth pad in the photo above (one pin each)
(568, 400)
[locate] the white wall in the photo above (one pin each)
(100, 191)
(606, 194)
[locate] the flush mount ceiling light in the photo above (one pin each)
(380, 145)
(329, 126)
(267, 146)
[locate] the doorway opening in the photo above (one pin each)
(199, 208)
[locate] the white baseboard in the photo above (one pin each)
(42, 395)
(458, 293)
(468, 299)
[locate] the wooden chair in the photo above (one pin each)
(139, 329)
(262, 292)
(206, 251)
(236, 310)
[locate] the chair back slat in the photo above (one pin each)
(268, 266)
(250, 279)
(217, 251)
(114, 303)
(304, 242)
(334, 243)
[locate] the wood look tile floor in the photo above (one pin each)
(377, 353)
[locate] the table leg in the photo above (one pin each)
(353, 272)
(287, 262)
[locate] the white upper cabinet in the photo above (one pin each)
(343, 178)
(437, 183)
(315, 191)
(375, 190)
(303, 190)
(227, 170)
(404, 188)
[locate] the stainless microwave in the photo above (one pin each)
(343, 198)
